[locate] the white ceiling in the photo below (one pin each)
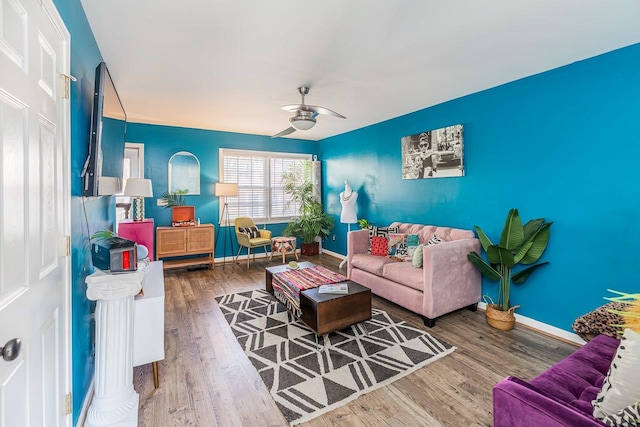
(230, 65)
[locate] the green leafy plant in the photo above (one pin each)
(315, 222)
(518, 245)
(103, 235)
(175, 199)
(363, 223)
(312, 220)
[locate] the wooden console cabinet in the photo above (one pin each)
(184, 242)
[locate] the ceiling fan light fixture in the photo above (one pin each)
(302, 122)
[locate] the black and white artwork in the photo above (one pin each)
(436, 153)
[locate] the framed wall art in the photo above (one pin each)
(437, 153)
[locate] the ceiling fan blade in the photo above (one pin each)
(322, 110)
(294, 107)
(285, 132)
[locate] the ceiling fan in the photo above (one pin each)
(305, 115)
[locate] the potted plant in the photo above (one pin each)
(312, 221)
(363, 223)
(175, 199)
(518, 245)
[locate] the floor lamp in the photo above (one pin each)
(225, 190)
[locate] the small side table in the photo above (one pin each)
(284, 246)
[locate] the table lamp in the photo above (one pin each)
(138, 188)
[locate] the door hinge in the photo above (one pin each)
(66, 246)
(67, 404)
(66, 78)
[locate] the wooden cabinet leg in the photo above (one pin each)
(156, 380)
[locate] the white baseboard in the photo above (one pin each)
(543, 327)
(333, 254)
(85, 405)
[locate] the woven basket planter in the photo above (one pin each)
(503, 320)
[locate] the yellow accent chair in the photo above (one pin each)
(246, 240)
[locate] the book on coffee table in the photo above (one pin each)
(336, 288)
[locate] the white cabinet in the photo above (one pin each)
(148, 320)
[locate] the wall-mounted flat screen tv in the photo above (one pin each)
(107, 137)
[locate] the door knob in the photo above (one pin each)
(11, 349)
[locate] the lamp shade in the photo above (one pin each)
(138, 187)
(226, 189)
(108, 186)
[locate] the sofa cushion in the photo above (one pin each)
(370, 263)
(405, 274)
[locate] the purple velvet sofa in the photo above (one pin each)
(561, 395)
(447, 281)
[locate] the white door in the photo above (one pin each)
(34, 214)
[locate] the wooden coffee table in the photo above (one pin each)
(326, 313)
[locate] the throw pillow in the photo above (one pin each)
(621, 386)
(412, 244)
(379, 246)
(380, 232)
(628, 416)
(417, 256)
(397, 244)
(434, 240)
(252, 232)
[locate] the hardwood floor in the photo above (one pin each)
(207, 381)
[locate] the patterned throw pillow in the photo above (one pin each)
(379, 246)
(621, 386)
(380, 232)
(412, 244)
(398, 244)
(628, 416)
(252, 232)
(434, 240)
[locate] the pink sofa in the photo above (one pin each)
(446, 282)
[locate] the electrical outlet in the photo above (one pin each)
(334, 238)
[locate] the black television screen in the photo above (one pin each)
(107, 136)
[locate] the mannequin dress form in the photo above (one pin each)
(348, 200)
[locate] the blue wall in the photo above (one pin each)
(161, 142)
(87, 214)
(562, 145)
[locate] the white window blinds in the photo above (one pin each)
(258, 174)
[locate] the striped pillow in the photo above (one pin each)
(251, 232)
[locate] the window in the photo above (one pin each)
(258, 174)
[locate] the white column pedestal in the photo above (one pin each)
(115, 402)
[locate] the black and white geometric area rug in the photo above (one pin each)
(306, 382)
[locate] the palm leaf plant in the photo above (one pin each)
(175, 199)
(518, 245)
(312, 220)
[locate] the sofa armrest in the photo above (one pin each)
(517, 403)
(357, 243)
(451, 282)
